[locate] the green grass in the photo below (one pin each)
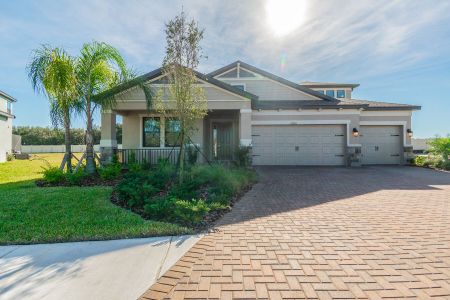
(29, 214)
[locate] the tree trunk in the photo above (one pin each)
(181, 157)
(68, 141)
(90, 163)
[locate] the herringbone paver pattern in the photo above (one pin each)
(325, 233)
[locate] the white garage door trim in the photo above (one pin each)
(269, 151)
(312, 122)
(387, 123)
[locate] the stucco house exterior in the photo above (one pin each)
(284, 123)
(6, 118)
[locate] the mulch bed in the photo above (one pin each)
(208, 222)
(88, 181)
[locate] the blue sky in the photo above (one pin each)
(397, 50)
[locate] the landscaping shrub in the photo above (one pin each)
(160, 208)
(419, 161)
(110, 171)
(192, 155)
(9, 157)
(53, 175)
(243, 156)
(157, 194)
(190, 212)
(135, 188)
(76, 177)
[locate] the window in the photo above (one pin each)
(340, 93)
(330, 93)
(3, 118)
(172, 133)
(9, 106)
(151, 132)
(321, 91)
(239, 86)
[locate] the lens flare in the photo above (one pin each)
(284, 16)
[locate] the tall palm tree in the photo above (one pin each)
(52, 72)
(99, 68)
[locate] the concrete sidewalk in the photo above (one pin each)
(117, 269)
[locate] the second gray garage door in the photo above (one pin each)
(298, 144)
(381, 145)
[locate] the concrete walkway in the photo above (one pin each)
(118, 269)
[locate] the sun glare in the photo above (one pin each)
(284, 16)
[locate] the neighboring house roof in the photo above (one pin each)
(11, 98)
(378, 105)
(270, 76)
(158, 72)
(420, 144)
(315, 84)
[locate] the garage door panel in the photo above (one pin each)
(381, 144)
(298, 145)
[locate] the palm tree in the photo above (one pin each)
(99, 68)
(52, 72)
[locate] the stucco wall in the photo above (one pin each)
(269, 90)
(5, 138)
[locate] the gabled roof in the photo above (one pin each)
(11, 98)
(315, 84)
(273, 77)
(158, 72)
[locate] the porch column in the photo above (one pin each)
(108, 141)
(245, 127)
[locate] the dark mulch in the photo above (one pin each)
(87, 181)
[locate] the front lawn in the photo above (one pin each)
(30, 214)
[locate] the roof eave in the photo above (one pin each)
(412, 107)
(9, 97)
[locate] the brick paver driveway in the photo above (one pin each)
(325, 233)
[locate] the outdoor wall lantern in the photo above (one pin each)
(410, 133)
(355, 132)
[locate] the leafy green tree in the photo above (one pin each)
(52, 72)
(100, 67)
(183, 52)
(35, 135)
(440, 146)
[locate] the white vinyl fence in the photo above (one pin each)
(56, 148)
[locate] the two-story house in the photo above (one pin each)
(6, 116)
(285, 123)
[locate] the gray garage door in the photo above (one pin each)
(381, 145)
(298, 144)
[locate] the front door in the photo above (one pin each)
(222, 141)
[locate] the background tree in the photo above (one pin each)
(440, 146)
(35, 135)
(183, 52)
(52, 72)
(99, 68)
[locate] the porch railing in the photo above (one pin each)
(149, 156)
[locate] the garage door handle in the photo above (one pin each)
(395, 154)
(256, 155)
(339, 155)
(255, 135)
(395, 134)
(338, 135)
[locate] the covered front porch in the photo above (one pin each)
(148, 136)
